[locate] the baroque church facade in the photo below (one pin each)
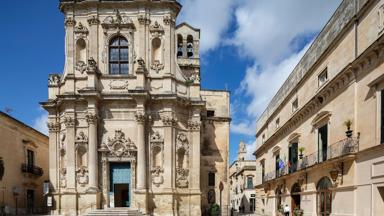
(129, 125)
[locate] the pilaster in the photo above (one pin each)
(70, 122)
(54, 130)
(169, 120)
(194, 128)
(92, 120)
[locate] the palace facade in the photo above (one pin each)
(242, 183)
(320, 141)
(129, 125)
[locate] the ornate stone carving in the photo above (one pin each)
(82, 176)
(143, 19)
(182, 178)
(182, 143)
(157, 147)
(81, 138)
(119, 146)
(91, 118)
(168, 19)
(141, 65)
(62, 145)
(157, 66)
(81, 67)
(69, 121)
(118, 85)
(92, 65)
(168, 119)
(380, 14)
(69, 22)
(93, 21)
(54, 79)
(63, 177)
(53, 127)
(81, 29)
(156, 30)
(194, 125)
(118, 22)
(140, 116)
(157, 176)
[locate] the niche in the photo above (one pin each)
(156, 157)
(190, 46)
(182, 159)
(81, 157)
(81, 51)
(156, 50)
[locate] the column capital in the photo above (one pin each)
(69, 22)
(53, 127)
(194, 125)
(91, 118)
(168, 119)
(168, 20)
(140, 116)
(93, 21)
(143, 19)
(69, 122)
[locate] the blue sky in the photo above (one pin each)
(248, 47)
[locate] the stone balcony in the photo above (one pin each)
(336, 152)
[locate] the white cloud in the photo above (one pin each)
(243, 128)
(212, 16)
(40, 123)
(251, 148)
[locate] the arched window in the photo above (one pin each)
(190, 46)
(324, 197)
(118, 56)
(179, 46)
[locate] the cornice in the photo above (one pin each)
(371, 57)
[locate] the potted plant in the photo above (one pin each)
(348, 124)
(298, 212)
(301, 150)
(214, 210)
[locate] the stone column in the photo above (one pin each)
(54, 130)
(93, 35)
(92, 151)
(141, 158)
(169, 150)
(69, 122)
(194, 128)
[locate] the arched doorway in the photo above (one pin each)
(295, 197)
(278, 194)
(324, 197)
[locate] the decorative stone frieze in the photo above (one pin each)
(91, 118)
(156, 30)
(157, 176)
(69, 121)
(69, 22)
(118, 85)
(53, 127)
(119, 146)
(194, 125)
(93, 21)
(63, 177)
(54, 80)
(117, 22)
(82, 176)
(80, 29)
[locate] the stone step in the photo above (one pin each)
(114, 212)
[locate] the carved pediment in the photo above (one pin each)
(119, 145)
(118, 21)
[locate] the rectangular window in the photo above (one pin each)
(249, 182)
(277, 123)
(293, 157)
(252, 206)
(263, 139)
(210, 113)
(262, 171)
(295, 105)
(322, 143)
(323, 77)
(211, 179)
(30, 158)
(277, 165)
(382, 116)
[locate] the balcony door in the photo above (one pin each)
(322, 143)
(382, 116)
(30, 158)
(293, 157)
(324, 197)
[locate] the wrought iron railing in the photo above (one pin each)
(341, 148)
(31, 169)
